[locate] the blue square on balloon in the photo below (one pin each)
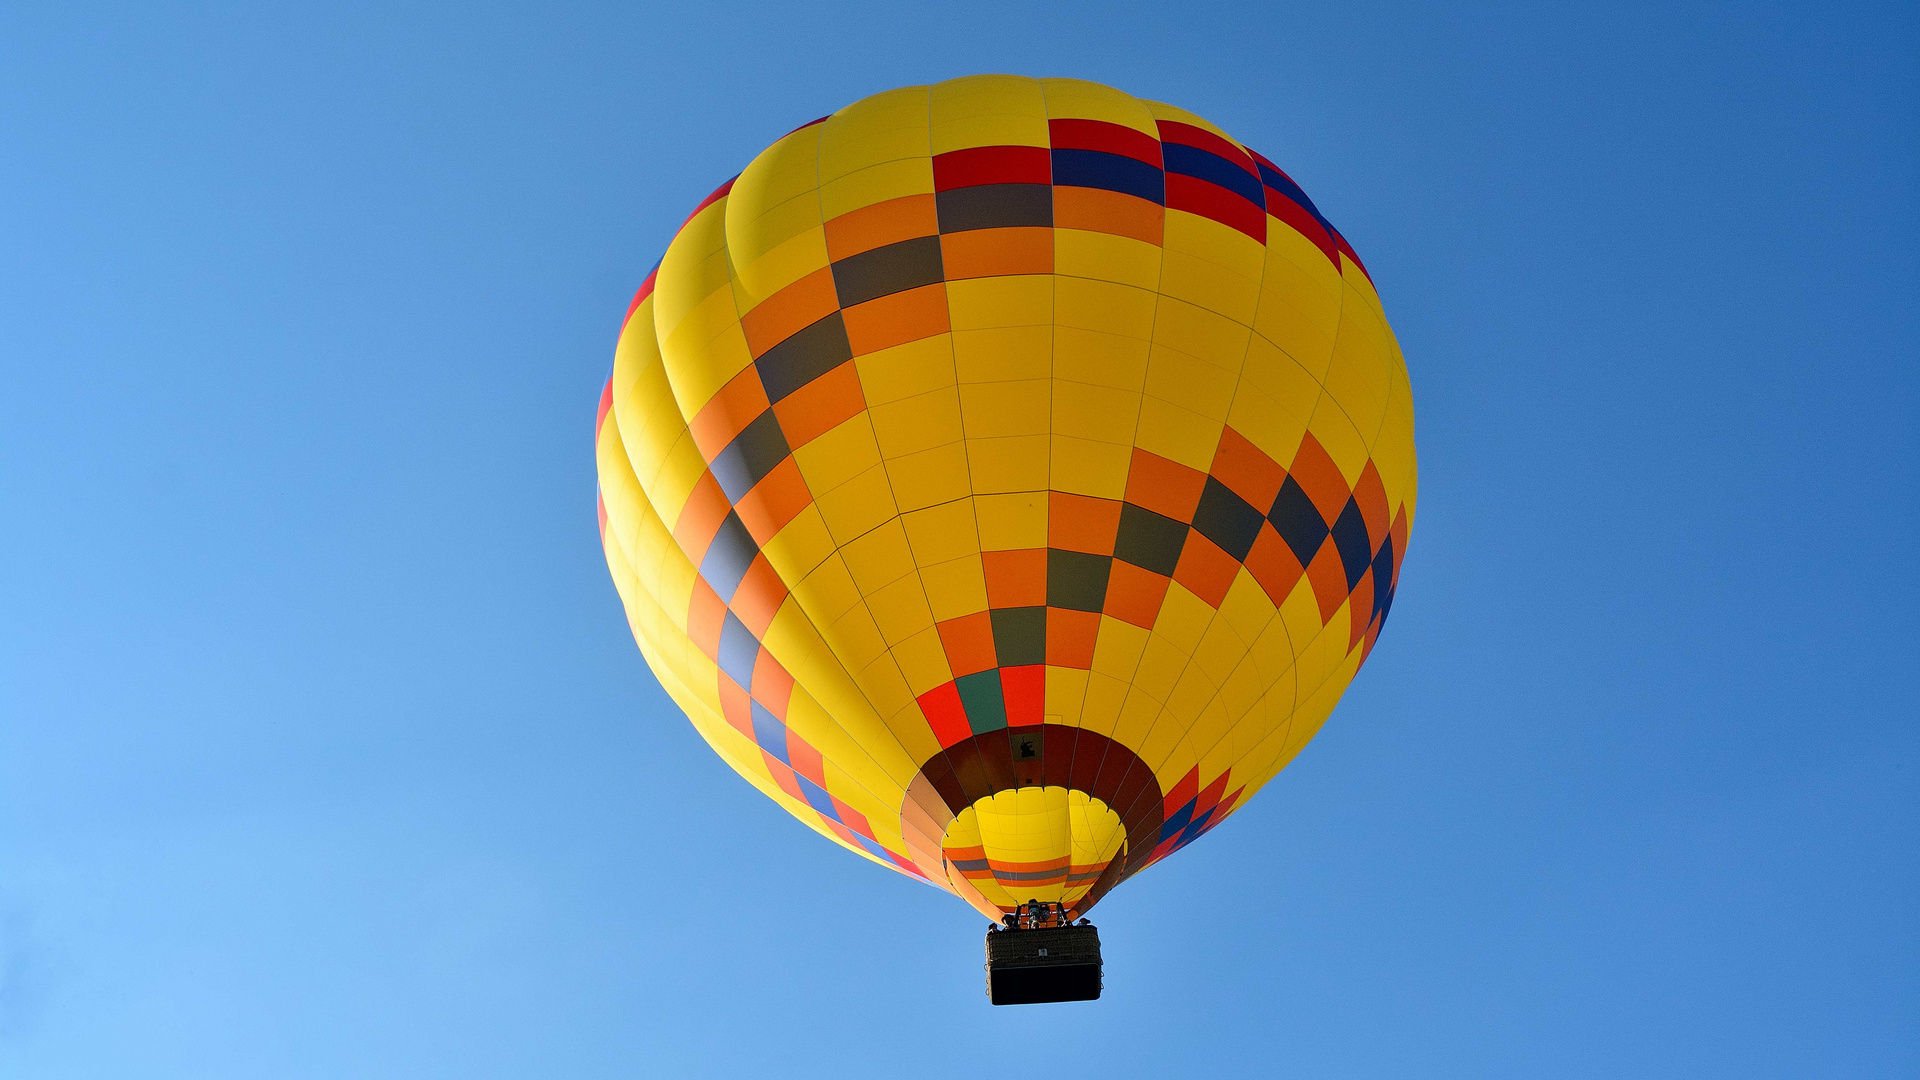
(739, 650)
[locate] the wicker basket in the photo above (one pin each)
(1056, 963)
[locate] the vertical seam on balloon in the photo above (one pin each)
(1053, 380)
(919, 577)
(1339, 316)
(1165, 712)
(656, 659)
(1134, 443)
(732, 280)
(1299, 693)
(821, 212)
(1053, 370)
(953, 362)
(739, 317)
(1239, 379)
(853, 681)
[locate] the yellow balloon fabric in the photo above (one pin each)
(1007, 477)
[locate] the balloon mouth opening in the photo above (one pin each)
(1033, 843)
(966, 800)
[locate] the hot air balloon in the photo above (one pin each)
(1007, 476)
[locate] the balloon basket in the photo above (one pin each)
(1043, 964)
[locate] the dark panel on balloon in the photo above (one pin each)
(1076, 580)
(892, 268)
(1350, 539)
(1020, 636)
(1058, 756)
(750, 456)
(808, 354)
(1227, 519)
(1148, 540)
(995, 206)
(1298, 521)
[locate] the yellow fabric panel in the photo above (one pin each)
(847, 451)
(857, 506)
(1179, 376)
(922, 422)
(1101, 413)
(985, 303)
(801, 251)
(923, 660)
(1004, 352)
(1098, 256)
(885, 127)
(988, 110)
(956, 587)
(1163, 111)
(1117, 654)
(696, 267)
(1359, 374)
(876, 183)
(1341, 437)
(930, 477)
(1080, 99)
(879, 557)
(760, 207)
(1210, 265)
(1100, 357)
(1066, 694)
(1100, 708)
(1009, 464)
(1177, 433)
(1088, 467)
(904, 371)
(1011, 521)
(1393, 449)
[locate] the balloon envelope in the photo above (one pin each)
(1007, 477)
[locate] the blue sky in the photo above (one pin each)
(324, 750)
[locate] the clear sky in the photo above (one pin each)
(325, 752)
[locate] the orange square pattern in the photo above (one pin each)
(759, 596)
(997, 252)
(1371, 496)
(793, 308)
(1070, 637)
(1247, 471)
(1082, 523)
(881, 224)
(777, 499)
(1016, 578)
(1098, 210)
(1313, 469)
(1165, 487)
(968, 642)
(1134, 595)
(1329, 581)
(706, 613)
(735, 707)
(772, 685)
(1273, 565)
(805, 759)
(706, 508)
(897, 319)
(728, 412)
(1205, 570)
(821, 405)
